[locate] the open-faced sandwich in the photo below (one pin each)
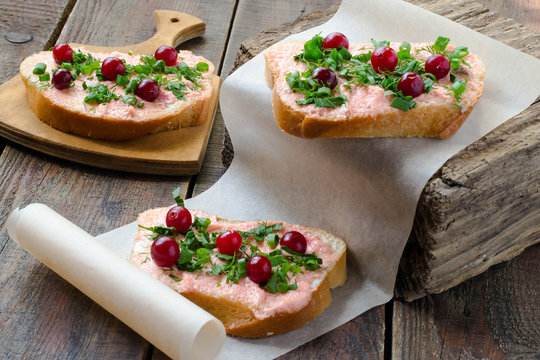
(259, 278)
(117, 96)
(327, 88)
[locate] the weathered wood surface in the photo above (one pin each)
(41, 316)
(494, 181)
(495, 315)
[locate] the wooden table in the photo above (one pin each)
(495, 315)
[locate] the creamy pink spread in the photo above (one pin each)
(362, 100)
(264, 303)
(167, 102)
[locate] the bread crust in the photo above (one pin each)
(240, 320)
(63, 118)
(439, 120)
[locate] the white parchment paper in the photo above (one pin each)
(363, 190)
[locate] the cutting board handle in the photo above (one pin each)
(173, 28)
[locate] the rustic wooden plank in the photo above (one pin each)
(526, 12)
(483, 164)
(251, 18)
(361, 338)
(493, 181)
(495, 315)
(29, 19)
(43, 312)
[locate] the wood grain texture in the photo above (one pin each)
(251, 18)
(435, 260)
(42, 21)
(48, 317)
(456, 234)
(526, 12)
(361, 338)
(495, 315)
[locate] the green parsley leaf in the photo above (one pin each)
(122, 80)
(312, 49)
(132, 85)
(129, 99)
(404, 51)
(159, 231)
(175, 278)
(99, 93)
(45, 77)
(330, 102)
(177, 88)
(178, 197)
(378, 44)
(402, 103)
(441, 43)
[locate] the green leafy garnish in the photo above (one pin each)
(98, 93)
(159, 231)
(177, 88)
(39, 69)
(175, 278)
(45, 77)
(178, 197)
(129, 99)
(202, 66)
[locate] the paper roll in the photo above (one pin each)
(172, 323)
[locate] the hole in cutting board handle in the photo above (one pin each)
(175, 20)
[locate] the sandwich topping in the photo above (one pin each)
(122, 78)
(330, 70)
(268, 255)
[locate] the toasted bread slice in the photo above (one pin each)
(245, 308)
(67, 111)
(367, 111)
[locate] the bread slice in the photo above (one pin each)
(368, 113)
(246, 309)
(67, 111)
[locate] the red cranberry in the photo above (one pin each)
(438, 65)
(61, 79)
(325, 77)
(411, 84)
(229, 242)
(259, 269)
(178, 217)
(62, 53)
(165, 251)
(167, 54)
(147, 90)
(111, 67)
(335, 40)
(384, 59)
(294, 241)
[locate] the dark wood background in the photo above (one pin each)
(495, 315)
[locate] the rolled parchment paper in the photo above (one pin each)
(172, 323)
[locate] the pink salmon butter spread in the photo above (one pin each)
(264, 303)
(73, 98)
(362, 100)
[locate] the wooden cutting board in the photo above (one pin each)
(178, 152)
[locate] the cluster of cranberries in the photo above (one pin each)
(111, 67)
(165, 250)
(383, 59)
(411, 84)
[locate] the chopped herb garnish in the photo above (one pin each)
(39, 69)
(45, 77)
(98, 93)
(198, 246)
(178, 197)
(175, 278)
(202, 66)
(357, 70)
